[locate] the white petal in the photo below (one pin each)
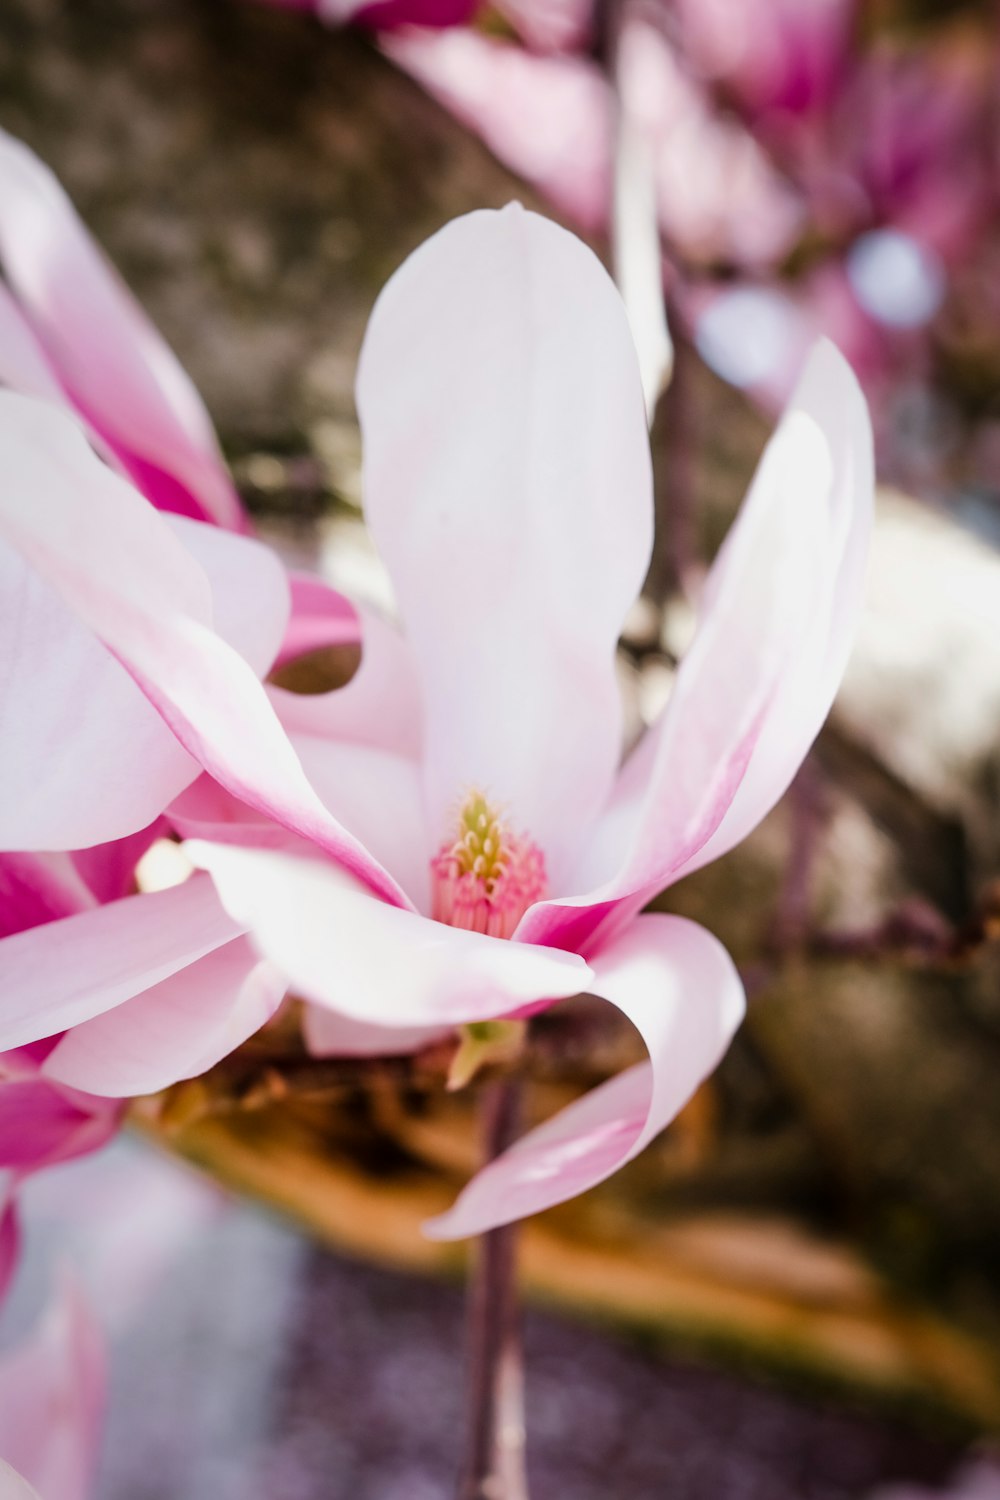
(678, 987)
(507, 485)
(342, 947)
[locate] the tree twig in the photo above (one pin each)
(494, 1464)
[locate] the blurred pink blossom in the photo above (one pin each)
(43, 1122)
(780, 57)
(71, 333)
(896, 172)
(551, 25)
(88, 762)
(913, 131)
(550, 118)
(52, 1394)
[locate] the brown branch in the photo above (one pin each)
(494, 1465)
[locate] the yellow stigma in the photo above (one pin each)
(485, 875)
(480, 848)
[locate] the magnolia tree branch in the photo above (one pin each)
(494, 1463)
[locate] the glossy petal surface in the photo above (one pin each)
(59, 975)
(678, 987)
(118, 568)
(339, 946)
(507, 485)
(108, 356)
(777, 618)
(175, 1029)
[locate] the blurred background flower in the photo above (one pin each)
(822, 166)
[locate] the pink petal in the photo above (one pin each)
(108, 356)
(778, 613)
(207, 811)
(339, 946)
(320, 617)
(115, 563)
(63, 689)
(379, 706)
(251, 598)
(10, 1243)
(381, 14)
(737, 207)
(42, 1123)
(38, 888)
(507, 485)
(52, 1392)
(830, 397)
(551, 25)
(24, 365)
(551, 119)
(778, 55)
(176, 1029)
(329, 1034)
(13, 1486)
(378, 798)
(108, 870)
(376, 795)
(56, 976)
(678, 987)
(84, 757)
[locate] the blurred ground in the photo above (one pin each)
(252, 1366)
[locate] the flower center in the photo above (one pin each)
(486, 877)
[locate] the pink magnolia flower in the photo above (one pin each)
(88, 763)
(912, 132)
(86, 760)
(501, 859)
(110, 1000)
(52, 1390)
(899, 179)
(508, 488)
(132, 651)
(71, 333)
(76, 713)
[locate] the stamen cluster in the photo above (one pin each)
(487, 876)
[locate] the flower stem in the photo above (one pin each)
(494, 1462)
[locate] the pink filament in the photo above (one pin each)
(494, 903)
